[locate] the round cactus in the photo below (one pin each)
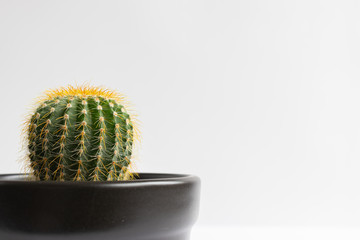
(81, 134)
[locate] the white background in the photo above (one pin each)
(261, 99)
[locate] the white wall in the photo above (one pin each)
(259, 98)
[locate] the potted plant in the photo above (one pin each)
(80, 184)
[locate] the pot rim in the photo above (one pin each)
(143, 180)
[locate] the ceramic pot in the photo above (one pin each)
(152, 207)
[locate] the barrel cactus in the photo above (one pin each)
(81, 134)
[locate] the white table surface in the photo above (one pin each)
(274, 233)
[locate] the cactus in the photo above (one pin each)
(81, 134)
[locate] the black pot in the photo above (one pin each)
(153, 207)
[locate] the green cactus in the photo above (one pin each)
(81, 134)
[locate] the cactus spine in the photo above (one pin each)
(81, 134)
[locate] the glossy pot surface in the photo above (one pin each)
(153, 207)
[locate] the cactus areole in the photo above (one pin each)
(80, 134)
